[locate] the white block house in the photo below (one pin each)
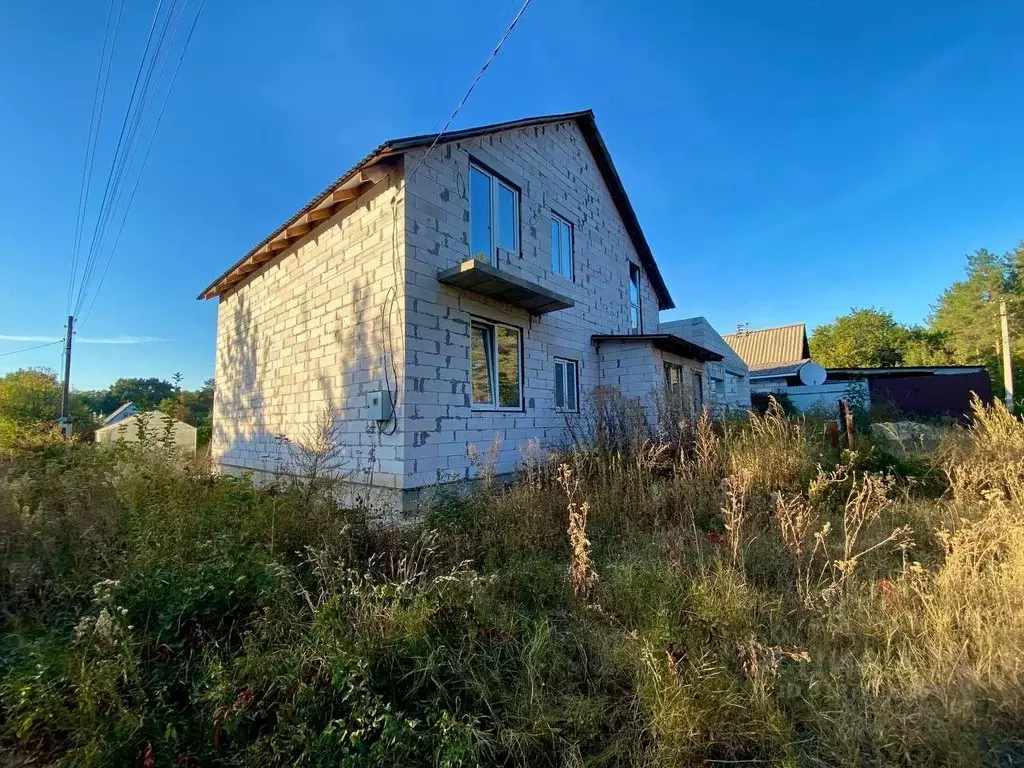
(437, 296)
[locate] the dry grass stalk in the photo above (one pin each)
(582, 574)
(736, 503)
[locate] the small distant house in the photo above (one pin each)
(728, 378)
(126, 410)
(133, 426)
(780, 361)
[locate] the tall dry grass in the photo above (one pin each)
(717, 593)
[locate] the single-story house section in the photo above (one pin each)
(780, 361)
(445, 292)
(136, 426)
(728, 378)
(938, 390)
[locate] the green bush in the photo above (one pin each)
(746, 598)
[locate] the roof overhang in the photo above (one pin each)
(380, 162)
(480, 277)
(666, 342)
(332, 200)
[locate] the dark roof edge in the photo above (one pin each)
(666, 341)
(588, 126)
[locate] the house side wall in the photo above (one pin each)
(632, 367)
(555, 172)
(155, 426)
(731, 371)
(303, 337)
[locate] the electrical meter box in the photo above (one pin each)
(381, 407)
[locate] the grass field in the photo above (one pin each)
(737, 595)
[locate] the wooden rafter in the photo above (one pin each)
(301, 225)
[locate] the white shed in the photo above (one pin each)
(149, 426)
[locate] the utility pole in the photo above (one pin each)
(65, 422)
(1007, 361)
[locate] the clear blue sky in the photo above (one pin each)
(787, 160)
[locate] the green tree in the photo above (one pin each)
(145, 393)
(865, 338)
(30, 406)
(967, 313)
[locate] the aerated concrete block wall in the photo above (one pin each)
(304, 334)
(555, 172)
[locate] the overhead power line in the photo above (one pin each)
(391, 297)
(125, 171)
(29, 349)
(145, 160)
(99, 98)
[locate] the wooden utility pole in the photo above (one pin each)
(1004, 324)
(65, 422)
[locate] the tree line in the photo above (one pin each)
(963, 327)
(30, 404)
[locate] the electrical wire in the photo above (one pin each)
(114, 160)
(99, 97)
(29, 349)
(160, 42)
(391, 298)
(145, 160)
(143, 109)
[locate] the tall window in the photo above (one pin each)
(566, 385)
(698, 392)
(561, 247)
(495, 366)
(634, 299)
(493, 216)
(673, 378)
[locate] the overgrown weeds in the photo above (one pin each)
(717, 593)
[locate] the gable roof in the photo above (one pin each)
(123, 411)
(769, 347)
(346, 187)
(700, 331)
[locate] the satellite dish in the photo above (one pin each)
(812, 374)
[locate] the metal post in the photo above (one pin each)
(1007, 360)
(65, 422)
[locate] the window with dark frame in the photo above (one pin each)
(493, 215)
(673, 378)
(496, 366)
(561, 246)
(567, 385)
(698, 392)
(635, 325)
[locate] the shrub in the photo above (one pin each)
(736, 597)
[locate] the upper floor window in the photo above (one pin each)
(495, 365)
(634, 299)
(561, 246)
(493, 216)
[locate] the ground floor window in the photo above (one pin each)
(673, 378)
(698, 392)
(496, 366)
(566, 385)
(719, 387)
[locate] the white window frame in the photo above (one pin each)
(575, 365)
(496, 183)
(492, 328)
(638, 328)
(563, 261)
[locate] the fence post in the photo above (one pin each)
(846, 416)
